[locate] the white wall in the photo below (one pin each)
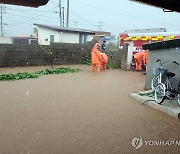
(165, 54)
(6, 40)
(89, 37)
(62, 37)
(66, 37)
(44, 33)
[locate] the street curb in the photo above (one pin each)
(171, 108)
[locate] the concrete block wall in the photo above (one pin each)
(114, 57)
(13, 55)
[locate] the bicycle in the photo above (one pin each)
(159, 71)
(165, 89)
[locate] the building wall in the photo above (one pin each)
(165, 55)
(44, 33)
(90, 37)
(59, 37)
(6, 40)
(66, 37)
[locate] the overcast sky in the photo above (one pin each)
(115, 16)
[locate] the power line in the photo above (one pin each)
(18, 26)
(75, 22)
(114, 26)
(100, 26)
(26, 17)
(117, 27)
(34, 17)
(33, 14)
(12, 9)
(145, 19)
(82, 17)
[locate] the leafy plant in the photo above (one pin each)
(113, 65)
(87, 61)
(27, 75)
(150, 94)
(48, 52)
(108, 66)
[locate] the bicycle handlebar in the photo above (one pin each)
(166, 62)
(175, 62)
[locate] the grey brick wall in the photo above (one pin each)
(13, 55)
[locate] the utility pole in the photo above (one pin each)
(75, 22)
(67, 20)
(63, 15)
(60, 16)
(100, 26)
(2, 21)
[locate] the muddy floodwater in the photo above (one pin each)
(81, 113)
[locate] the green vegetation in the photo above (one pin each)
(108, 66)
(48, 52)
(150, 94)
(27, 75)
(113, 65)
(87, 61)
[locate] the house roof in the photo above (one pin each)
(162, 45)
(65, 29)
(173, 5)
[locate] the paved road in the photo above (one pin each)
(81, 113)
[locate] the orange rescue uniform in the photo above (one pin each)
(104, 60)
(139, 58)
(96, 58)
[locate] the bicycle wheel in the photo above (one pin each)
(154, 82)
(178, 99)
(160, 93)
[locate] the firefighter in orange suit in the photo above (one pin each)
(104, 61)
(146, 58)
(139, 59)
(96, 57)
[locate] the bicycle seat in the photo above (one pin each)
(170, 74)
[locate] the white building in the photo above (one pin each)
(54, 34)
(6, 40)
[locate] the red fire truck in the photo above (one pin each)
(138, 39)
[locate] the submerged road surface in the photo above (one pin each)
(81, 113)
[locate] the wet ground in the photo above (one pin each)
(80, 113)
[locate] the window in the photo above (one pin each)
(82, 38)
(51, 38)
(85, 38)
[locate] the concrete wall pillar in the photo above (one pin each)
(127, 54)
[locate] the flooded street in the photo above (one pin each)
(80, 113)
